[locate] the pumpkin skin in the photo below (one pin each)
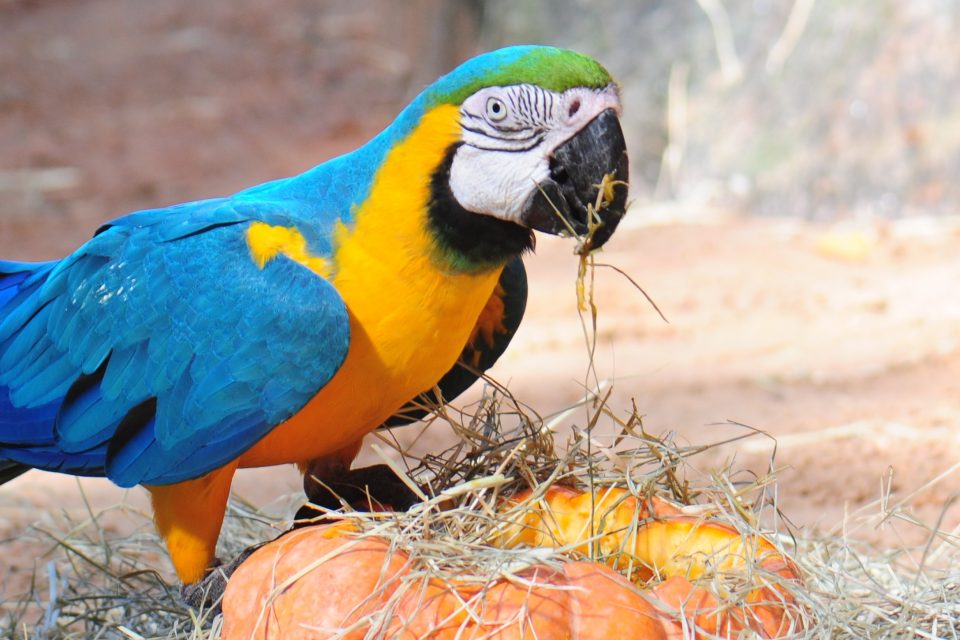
(326, 581)
(581, 600)
(653, 539)
(565, 517)
(353, 579)
(763, 612)
(650, 538)
(336, 582)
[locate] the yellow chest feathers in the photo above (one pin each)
(417, 313)
(410, 317)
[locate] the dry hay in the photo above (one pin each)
(95, 586)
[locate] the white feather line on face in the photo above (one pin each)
(500, 163)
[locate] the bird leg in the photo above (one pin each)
(207, 593)
(375, 488)
(330, 484)
(188, 516)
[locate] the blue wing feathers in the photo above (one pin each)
(18, 311)
(133, 439)
(40, 361)
(123, 370)
(187, 353)
(19, 345)
(45, 386)
(20, 426)
(9, 282)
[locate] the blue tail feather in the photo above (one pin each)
(21, 324)
(49, 390)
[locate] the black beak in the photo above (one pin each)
(595, 156)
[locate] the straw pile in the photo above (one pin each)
(98, 587)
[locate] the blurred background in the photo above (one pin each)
(818, 110)
(796, 174)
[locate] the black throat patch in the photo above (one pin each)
(465, 240)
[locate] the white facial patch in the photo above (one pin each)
(509, 134)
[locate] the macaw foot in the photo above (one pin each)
(207, 593)
(375, 488)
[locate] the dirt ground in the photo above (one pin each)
(841, 343)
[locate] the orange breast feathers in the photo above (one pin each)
(410, 316)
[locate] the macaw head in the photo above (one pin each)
(540, 139)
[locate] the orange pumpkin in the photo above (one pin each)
(653, 539)
(325, 581)
(321, 581)
(313, 579)
(580, 600)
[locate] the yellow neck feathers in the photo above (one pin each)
(394, 216)
(386, 268)
(410, 317)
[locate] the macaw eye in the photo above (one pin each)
(496, 109)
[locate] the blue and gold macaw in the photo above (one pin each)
(283, 323)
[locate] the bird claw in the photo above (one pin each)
(207, 593)
(374, 488)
